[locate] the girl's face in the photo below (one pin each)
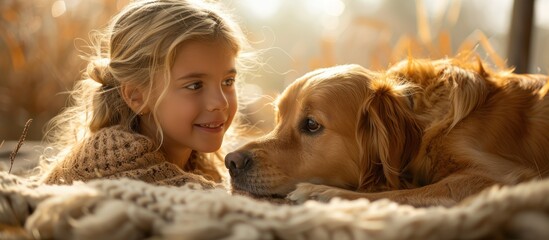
(200, 102)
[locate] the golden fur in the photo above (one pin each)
(422, 133)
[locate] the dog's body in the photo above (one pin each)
(422, 133)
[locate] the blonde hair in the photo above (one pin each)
(139, 42)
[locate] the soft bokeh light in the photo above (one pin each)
(370, 6)
(436, 8)
(317, 8)
(542, 13)
(263, 8)
(496, 15)
(58, 8)
(312, 6)
(334, 7)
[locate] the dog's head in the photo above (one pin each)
(343, 126)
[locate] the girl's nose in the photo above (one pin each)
(217, 101)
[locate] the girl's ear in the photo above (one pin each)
(134, 98)
(389, 134)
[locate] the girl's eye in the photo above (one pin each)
(194, 86)
(228, 82)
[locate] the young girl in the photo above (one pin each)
(158, 95)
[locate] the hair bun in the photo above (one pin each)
(98, 70)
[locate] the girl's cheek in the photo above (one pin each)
(233, 104)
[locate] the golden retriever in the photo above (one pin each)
(424, 132)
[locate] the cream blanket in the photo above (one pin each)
(129, 209)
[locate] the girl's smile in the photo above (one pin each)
(211, 127)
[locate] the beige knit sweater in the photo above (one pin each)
(113, 153)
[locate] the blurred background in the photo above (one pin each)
(41, 42)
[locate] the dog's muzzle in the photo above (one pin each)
(238, 162)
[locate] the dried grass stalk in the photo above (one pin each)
(19, 144)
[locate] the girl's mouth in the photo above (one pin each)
(211, 127)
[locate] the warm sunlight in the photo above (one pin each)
(274, 119)
(42, 42)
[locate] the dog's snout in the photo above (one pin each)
(238, 162)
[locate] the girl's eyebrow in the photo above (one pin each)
(202, 75)
(192, 75)
(232, 71)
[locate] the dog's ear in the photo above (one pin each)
(388, 133)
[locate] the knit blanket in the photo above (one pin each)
(130, 209)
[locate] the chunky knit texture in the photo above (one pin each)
(129, 209)
(114, 153)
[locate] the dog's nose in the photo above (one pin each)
(238, 162)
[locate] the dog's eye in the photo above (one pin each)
(312, 125)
